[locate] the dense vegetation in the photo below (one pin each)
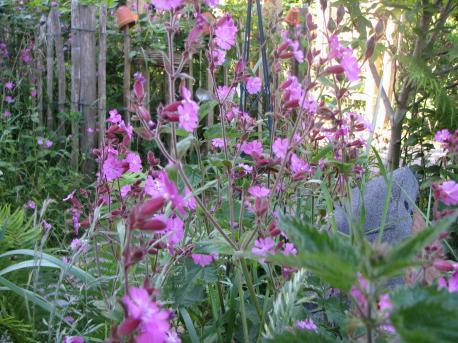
(207, 212)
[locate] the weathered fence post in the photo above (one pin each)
(102, 71)
(126, 80)
(59, 47)
(49, 74)
(40, 39)
(76, 78)
(88, 81)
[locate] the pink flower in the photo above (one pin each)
(202, 259)
(9, 99)
(9, 85)
(33, 93)
(125, 190)
(259, 191)
(307, 324)
(218, 56)
(162, 186)
(49, 143)
(351, 67)
(78, 245)
(73, 339)
(386, 307)
(442, 136)
(280, 147)
(212, 3)
(225, 93)
(6, 114)
(174, 230)
(298, 54)
(30, 204)
(289, 249)
(447, 192)
(167, 5)
(246, 168)
(253, 148)
(299, 166)
(46, 225)
(145, 315)
(112, 168)
(134, 161)
(253, 85)
(218, 143)
(225, 32)
(90, 130)
(359, 292)
(115, 117)
(263, 246)
(188, 111)
(190, 201)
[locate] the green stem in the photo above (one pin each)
(246, 338)
(251, 289)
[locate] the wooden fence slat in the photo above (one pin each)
(40, 39)
(59, 47)
(49, 74)
(75, 85)
(127, 72)
(88, 89)
(102, 71)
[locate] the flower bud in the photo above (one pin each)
(340, 13)
(443, 265)
(370, 47)
(151, 206)
(152, 225)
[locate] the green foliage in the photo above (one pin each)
(16, 231)
(425, 315)
(327, 255)
(15, 329)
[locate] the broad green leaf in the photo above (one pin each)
(425, 315)
(57, 263)
(329, 256)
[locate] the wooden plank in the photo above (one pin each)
(102, 72)
(49, 74)
(59, 47)
(39, 58)
(88, 90)
(126, 78)
(75, 85)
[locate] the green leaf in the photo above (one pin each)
(329, 256)
(47, 261)
(206, 107)
(425, 315)
(304, 336)
(189, 325)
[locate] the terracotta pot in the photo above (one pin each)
(125, 16)
(292, 18)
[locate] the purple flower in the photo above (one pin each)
(167, 5)
(190, 201)
(112, 168)
(48, 143)
(307, 324)
(442, 136)
(151, 320)
(9, 85)
(289, 249)
(46, 225)
(359, 292)
(6, 114)
(447, 192)
(73, 339)
(297, 52)
(253, 148)
(253, 85)
(30, 204)
(33, 93)
(225, 32)
(134, 161)
(174, 229)
(350, 65)
(225, 93)
(218, 56)
(246, 168)
(299, 166)
(139, 77)
(259, 191)
(188, 111)
(263, 246)
(115, 117)
(280, 147)
(202, 259)
(218, 143)
(90, 130)
(78, 245)
(212, 3)
(9, 99)
(125, 190)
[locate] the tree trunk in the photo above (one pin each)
(394, 148)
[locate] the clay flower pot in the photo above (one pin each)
(292, 18)
(125, 17)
